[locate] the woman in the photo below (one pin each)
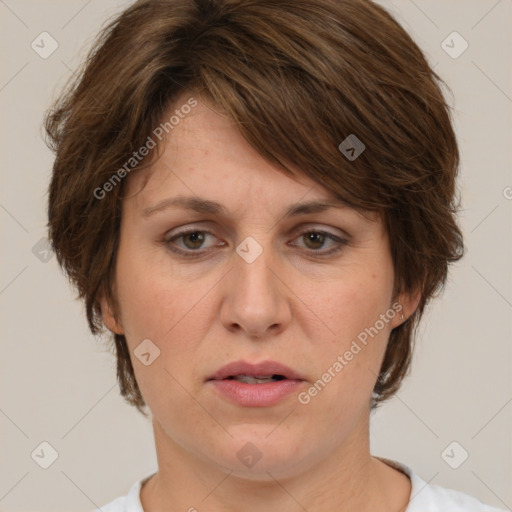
(257, 199)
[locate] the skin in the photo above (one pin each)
(290, 305)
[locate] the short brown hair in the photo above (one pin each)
(298, 77)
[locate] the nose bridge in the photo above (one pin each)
(255, 298)
(253, 267)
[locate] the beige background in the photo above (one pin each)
(58, 383)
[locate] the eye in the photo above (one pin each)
(191, 241)
(315, 240)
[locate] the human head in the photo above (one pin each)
(297, 78)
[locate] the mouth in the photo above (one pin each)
(248, 379)
(263, 384)
(256, 373)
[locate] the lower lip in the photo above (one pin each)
(256, 395)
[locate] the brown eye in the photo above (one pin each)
(193, 240)
(314, 239)
(191, 243)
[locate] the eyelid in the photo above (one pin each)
(339, 239)
(168, 238)
(321, 229)
(305, 227)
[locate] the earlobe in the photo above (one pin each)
(408, 302)
(109, 318)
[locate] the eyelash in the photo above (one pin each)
(190, 253)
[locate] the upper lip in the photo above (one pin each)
(264, 368)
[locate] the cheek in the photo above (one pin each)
(350, 354)
(350, 302)
(168, 309)
(149, 303)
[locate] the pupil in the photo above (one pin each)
(195, 238)
(317, 239)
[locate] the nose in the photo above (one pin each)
(256, 298)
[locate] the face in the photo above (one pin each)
(245, 279)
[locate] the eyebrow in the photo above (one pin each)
(207, 206)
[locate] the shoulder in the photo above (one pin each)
(118, 505)
(427, 497)
(128, 503)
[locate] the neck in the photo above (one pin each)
(344, 480)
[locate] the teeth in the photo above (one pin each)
(255, 380)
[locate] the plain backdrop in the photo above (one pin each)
(58, 382)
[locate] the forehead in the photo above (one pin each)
(206, 156)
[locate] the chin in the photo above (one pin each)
(252, 453)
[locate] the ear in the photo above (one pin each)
(109, 318)
(405, 305)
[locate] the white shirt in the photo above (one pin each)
(424, 497)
